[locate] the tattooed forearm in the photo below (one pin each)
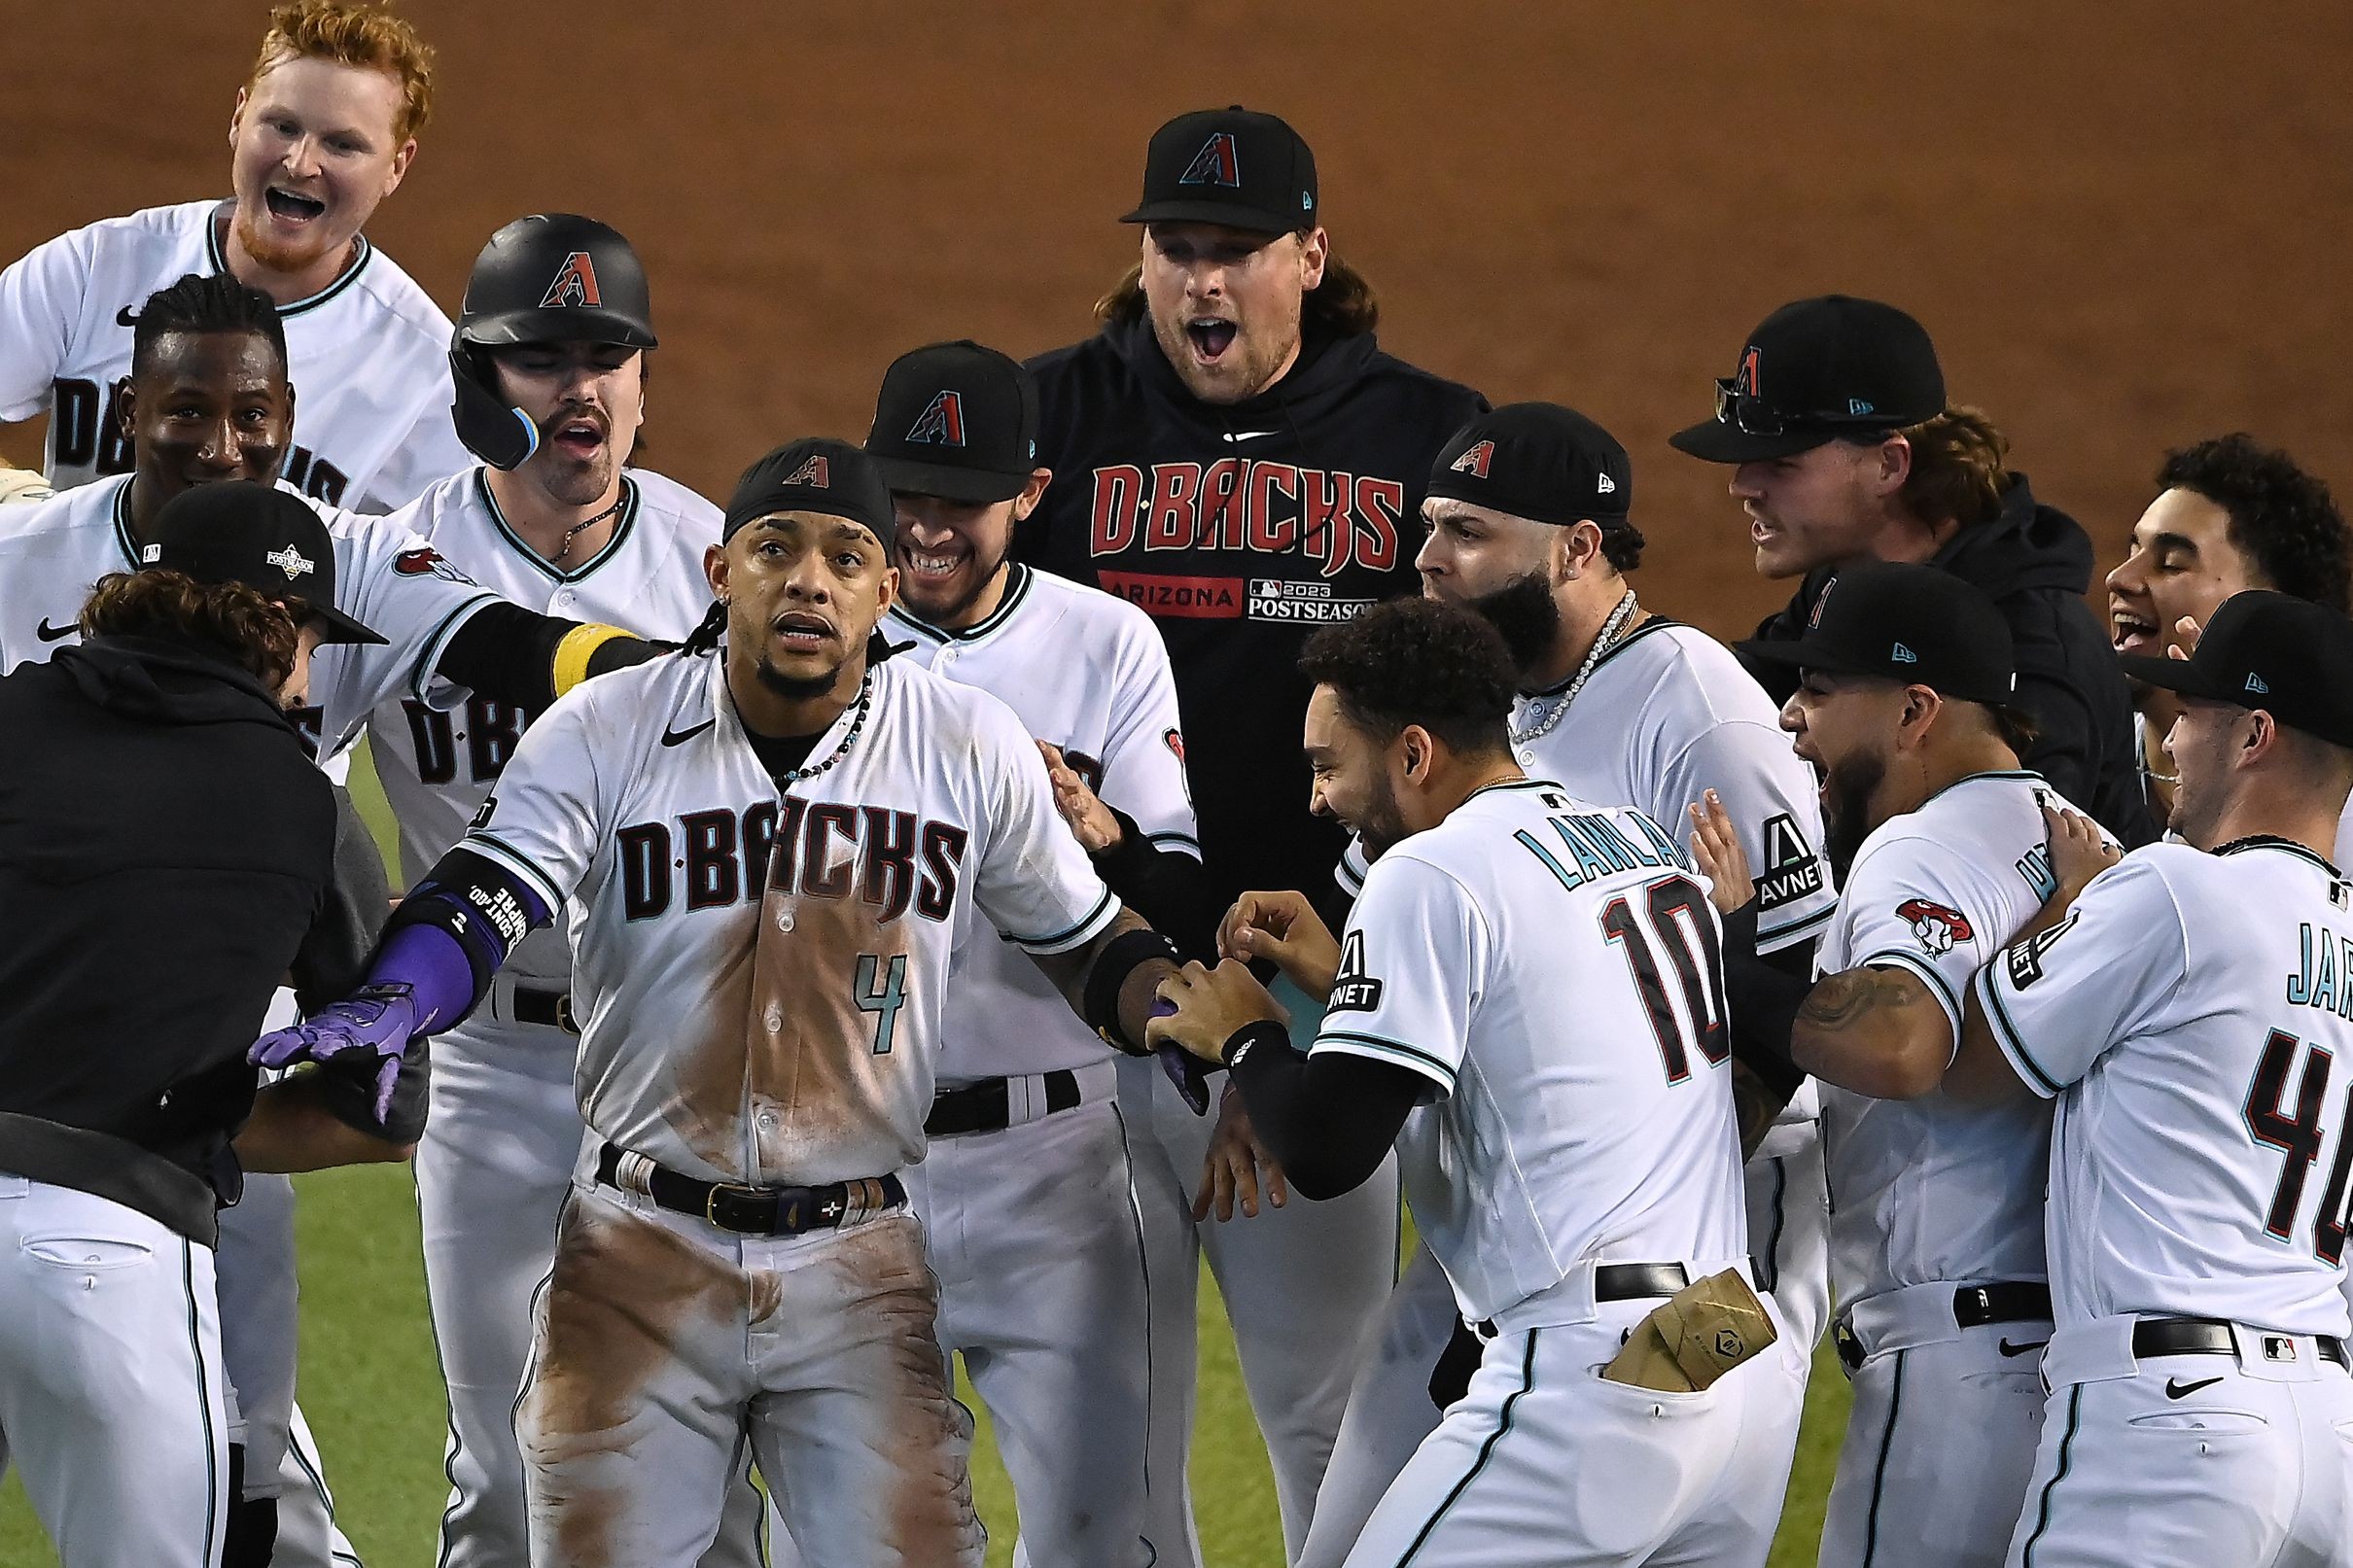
(1876, 1031)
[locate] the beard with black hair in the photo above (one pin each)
(1525, 617)
(1384, 824)
(799, 688)
(1846, 823)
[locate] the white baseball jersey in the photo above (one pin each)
(1554, 968)
(2190, 1017)
(368, 355)
(438, 764)
(1087, 672)
(1924, 1190)
(53, 554)
(1667, 716)
(804, 1053)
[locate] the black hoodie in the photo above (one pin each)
(165, 851)
(1313, 511)
(2035, 562)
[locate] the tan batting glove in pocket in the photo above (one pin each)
(1695, 1336)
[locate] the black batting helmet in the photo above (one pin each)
(548, 278)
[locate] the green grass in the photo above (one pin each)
(373, 1396)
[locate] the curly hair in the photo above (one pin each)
(237, 619)
(1342, 305)
(355, 33)
(2283, 518)
(1418, 661)
(1622, 546)
(201, 304)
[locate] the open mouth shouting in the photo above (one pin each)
(292, 209)
(2132, 632)
(800, 631)
(577, 435)
(1210, 336)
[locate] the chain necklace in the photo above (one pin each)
(1611, 634)
(865, 701)
(564, 548)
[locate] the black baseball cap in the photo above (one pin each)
(1231, 167)
(2287, 656)
(1539, 461)
(815, 473)
(1901, 622)
(239, 531)
(957, 421)
(1816, 371)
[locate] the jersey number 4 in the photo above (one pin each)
(1675, 921)
(882, 992)
(2298, 1135)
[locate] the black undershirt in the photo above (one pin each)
(1328, 1120)
(782, 755)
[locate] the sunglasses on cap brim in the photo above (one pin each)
(1750, 415)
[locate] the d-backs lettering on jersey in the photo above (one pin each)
(1924, 1190)
(2189, 1015)
(1238, 505)
(762, 981)
(368, 357)
(54, 553)
(1089, 673)
(438, 764)
(1554, 968)
(1667, 716)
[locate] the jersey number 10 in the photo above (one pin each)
(2298, 1137)
(1680, 924)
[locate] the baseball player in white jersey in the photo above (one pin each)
(556, 320)
(1566, 1177)
(208, 402)
(323, 132)
(1529, 508)
(1904, 705)
(766, 857)
(1027, 1195)
(2185, 1012)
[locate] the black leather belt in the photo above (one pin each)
(1623, 1282)
(549, 1009)
(755, 1210)
(2004, 1301)
(987, 1106)
(2211, 1337)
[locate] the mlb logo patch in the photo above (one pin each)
(817, 473)
(575, 284)
(1216, 163)
(943, 422)
(1474, 459)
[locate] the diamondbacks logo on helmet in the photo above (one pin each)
(942, 423)
(1747, 380)
(575, 284)
(817, 473)
(1475, 458)
(1216, 163)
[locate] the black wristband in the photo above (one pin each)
(1250, 1037)
(1109, 974)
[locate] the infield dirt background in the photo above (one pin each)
(2126, 227)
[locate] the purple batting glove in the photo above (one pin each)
(374, 1021)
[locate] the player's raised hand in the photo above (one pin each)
(1715, 844)
(1237, 1167)
(374, 1021)
(1089, 818)
(1209, 1007)
(1285, 929)
(2079, 852)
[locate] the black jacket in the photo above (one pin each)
(1313, 511)
(2035, 562)
(166, 847)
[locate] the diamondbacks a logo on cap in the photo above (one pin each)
(942, 423)
(817, 473)
(1216, 163)
(1604, 485)
(1474, 459)
(2254, 684)
(291, 561)
(1814, 622)
(1903, 655)
(575, 284)
(1748, 379)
